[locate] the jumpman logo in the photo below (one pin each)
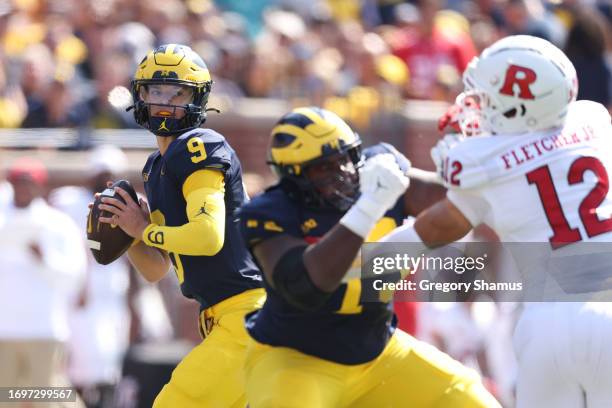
(379, 185)
(163, 126)
(202, 210)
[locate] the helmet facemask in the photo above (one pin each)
(334, 180)
(470, 114)
(327, 182)
(163, 118)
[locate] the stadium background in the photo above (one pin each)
(389, 67)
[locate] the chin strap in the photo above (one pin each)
(212, 110)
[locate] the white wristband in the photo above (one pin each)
(358, 221)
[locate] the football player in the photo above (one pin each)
(536, 172)
(318, 341)
(194, 188)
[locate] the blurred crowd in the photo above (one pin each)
(60, 58)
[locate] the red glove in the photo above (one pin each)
(450, 119)
(453, 114)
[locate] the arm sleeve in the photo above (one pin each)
(204, 233)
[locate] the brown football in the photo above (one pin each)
(108, 242)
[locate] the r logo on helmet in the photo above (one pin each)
(521, 76)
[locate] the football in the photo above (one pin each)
(108, 242)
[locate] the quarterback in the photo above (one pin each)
(535, 170)
(318, 341)
(194, 187)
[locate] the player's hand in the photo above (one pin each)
(382, 182)
(131, 217)
(96, 195)
(90, 204)
(450, 119)
(440, 151)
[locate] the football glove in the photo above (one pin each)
(382, 182)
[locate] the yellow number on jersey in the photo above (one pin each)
(350, 302)
(195, 145)
(352, 296)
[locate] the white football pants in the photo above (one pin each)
(564, 353)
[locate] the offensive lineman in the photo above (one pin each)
(318, 341)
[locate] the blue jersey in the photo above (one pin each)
(207, 279)
(347, 329)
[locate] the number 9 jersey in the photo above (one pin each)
(231, 271)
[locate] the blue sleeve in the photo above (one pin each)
(267, 216)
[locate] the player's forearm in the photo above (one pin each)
(151, 263)
(194, 238)
(328, 260)
(424, 191)
(441, 224)
(202, 235)
(438, 225)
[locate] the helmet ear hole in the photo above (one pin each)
(510, 113)
(515, 112)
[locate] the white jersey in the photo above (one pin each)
(550, 186)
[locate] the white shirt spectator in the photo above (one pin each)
(100, 329)
(36, 294)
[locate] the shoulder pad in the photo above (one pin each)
(593, 113)
(463, 169)
(267, 215)
(386, 148)
(196, 150)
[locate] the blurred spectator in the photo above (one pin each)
(307, 52)
(111, 72)
(101, 321)
(51, 102)
(435, 53)
(13, 104)
(531, 18)
(42, 260)
(586, 47)
(252, 12)
(6, 194)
